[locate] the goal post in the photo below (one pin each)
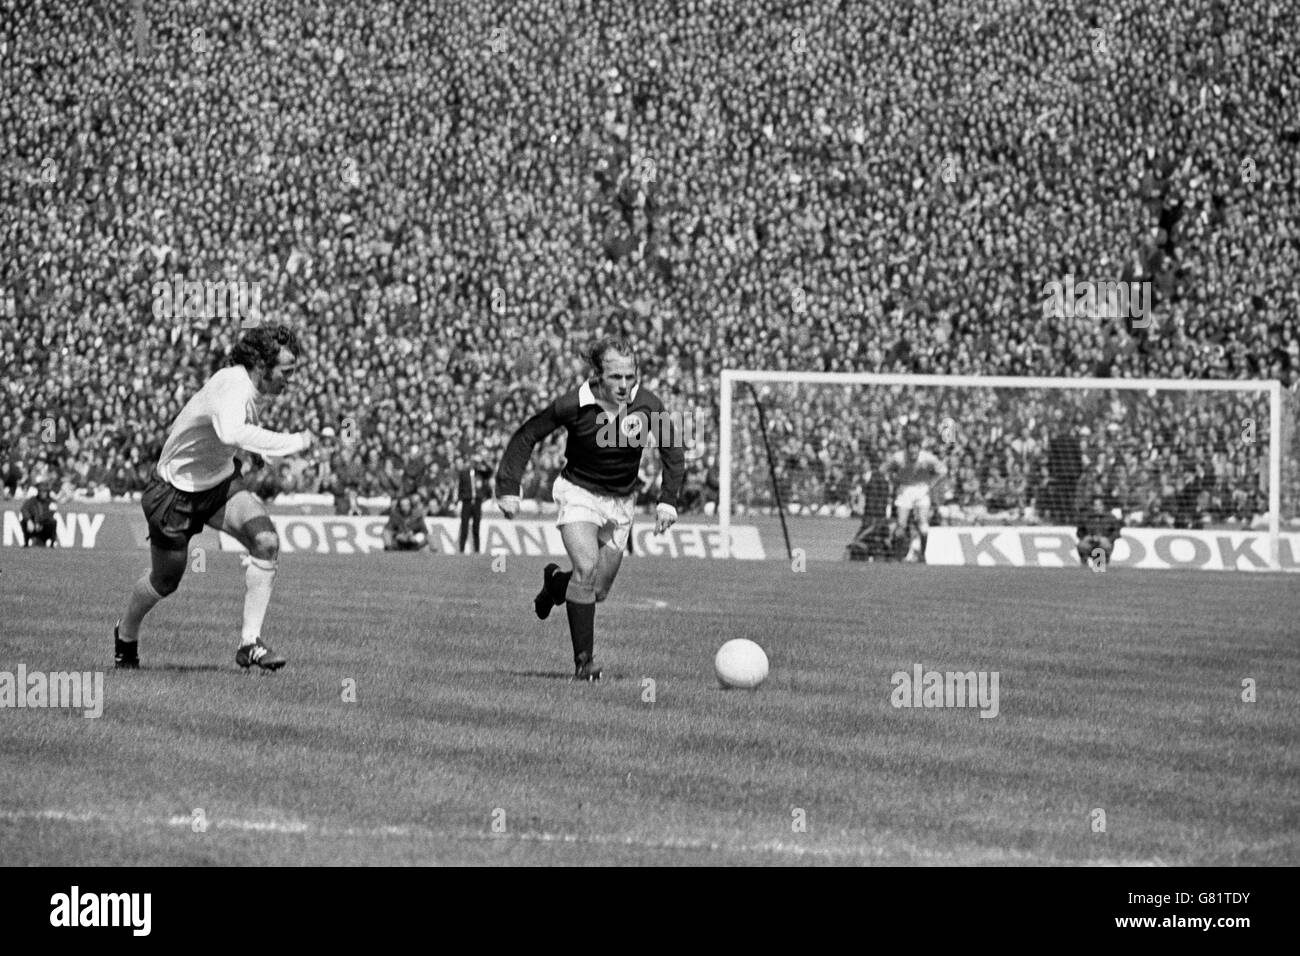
(1164, 451)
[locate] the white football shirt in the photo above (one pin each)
(218, 421)
(924, 471)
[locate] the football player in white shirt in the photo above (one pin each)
(197, 483)
(916, 472)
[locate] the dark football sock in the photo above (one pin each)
(582, 622)
(559, 584)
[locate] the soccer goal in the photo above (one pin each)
(1164, 453)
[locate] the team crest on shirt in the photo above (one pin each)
(632, 430)
(633, 427)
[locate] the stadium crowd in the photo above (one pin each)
(448, 202)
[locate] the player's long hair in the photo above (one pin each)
(610, 343)
(261, 346)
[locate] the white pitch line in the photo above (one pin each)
(652, 604)
(630, 604)
(296, 828)
(186, 822)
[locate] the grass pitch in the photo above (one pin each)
(468, 744)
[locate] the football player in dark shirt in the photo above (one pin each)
(610, 420)
(1098, 532)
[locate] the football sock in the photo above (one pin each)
(258, 576)
(559, 584)
(581, 607)
(143, 598)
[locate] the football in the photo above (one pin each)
(740, 663)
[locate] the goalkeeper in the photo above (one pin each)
(916, 473)
(608, 419)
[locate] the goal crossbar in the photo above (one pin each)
(1272, 388)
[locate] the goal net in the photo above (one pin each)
(1019, 451)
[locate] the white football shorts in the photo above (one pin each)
(612, 515)
(914, 498)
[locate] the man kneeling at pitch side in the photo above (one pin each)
(1098, 531)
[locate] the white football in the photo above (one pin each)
(740, 663)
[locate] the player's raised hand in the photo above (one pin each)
(509, 505)
(665, 517)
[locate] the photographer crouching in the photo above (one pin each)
(40, 527)
(406, 530)
(1098, 531)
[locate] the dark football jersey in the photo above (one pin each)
(603, 453)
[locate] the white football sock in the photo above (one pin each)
(258, 576)
(143, 598)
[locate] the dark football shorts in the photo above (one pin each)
(175, 516)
